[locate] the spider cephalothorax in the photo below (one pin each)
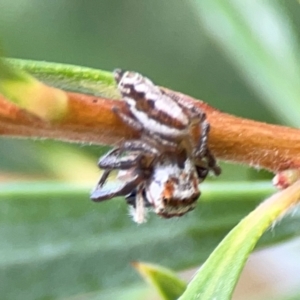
(162, 170)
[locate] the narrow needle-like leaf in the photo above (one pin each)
(218, 276)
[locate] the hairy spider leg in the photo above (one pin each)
(112, 161)
(212, 163)
(202, 150)
(202, 172)
(162, 143)
(100, 194)
(136, 125)
(139, 211)
(202, 145)
(131, 198)
(129, 120)
(198, 118)
(140, 145)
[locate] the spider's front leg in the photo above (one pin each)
(101, 194)
(141, 151)
(109, 162)
(113, 160)
(140, 162)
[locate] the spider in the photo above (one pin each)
(163, 169)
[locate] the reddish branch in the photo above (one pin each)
(90, 120)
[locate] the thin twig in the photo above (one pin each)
(90, 119)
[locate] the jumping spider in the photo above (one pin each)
(163, 169)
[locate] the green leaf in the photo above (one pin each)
(55, 242)
(218, 276)
(258, 38)
(70, 77)
(136, 292)
(28, 93)
(166, 282)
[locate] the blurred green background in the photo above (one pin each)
(241, 57)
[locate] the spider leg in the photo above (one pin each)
(202, 172)
(110, 162)
(101, 194)
(202, 150)
(196, 114)
(179, 100)
(198, 118)
(112, 159)
(113, 153)
(140, 145)
(127, 119)
(139, 209)
(131, 198)
(202, 147)
(103, 178)
(161, 142)
(212, 163)
(205, 163)
(133, 123)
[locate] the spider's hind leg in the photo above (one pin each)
(198, 118)
(212, 163)
(202, 145)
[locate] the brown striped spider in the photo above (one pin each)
(163, 169)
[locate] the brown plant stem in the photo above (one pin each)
(90, 119)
